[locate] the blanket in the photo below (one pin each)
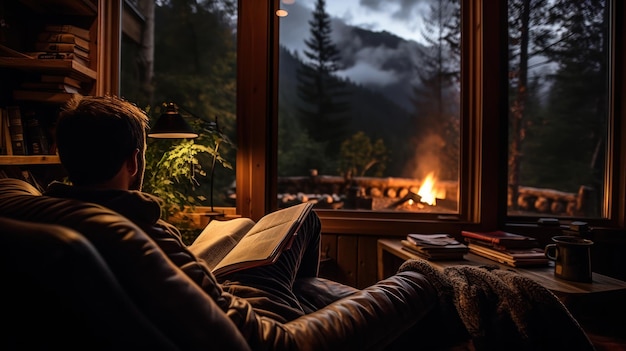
(503, 310)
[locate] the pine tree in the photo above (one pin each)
(574, 127)
(325, 110)
(531, 34)
(558, 115)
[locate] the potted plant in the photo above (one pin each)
(181, 173)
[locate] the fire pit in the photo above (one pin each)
(369, 193)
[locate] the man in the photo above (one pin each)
(101, 142)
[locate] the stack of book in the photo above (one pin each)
(53, 83)
(58, 43)
(435, 247)
(507, 248)
(65, 42)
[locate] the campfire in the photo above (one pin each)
(429, 195)
(425, 197)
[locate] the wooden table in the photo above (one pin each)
(389, 251)
(599, 306)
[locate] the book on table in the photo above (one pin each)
(512, 257)
(432, 239)
(241, 243)
(434, 246)
(507, 248)
(501, 239)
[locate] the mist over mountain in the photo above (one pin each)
(379, 61)
(379, 69)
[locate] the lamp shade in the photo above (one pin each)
(171, 125)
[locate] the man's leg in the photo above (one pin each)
(275, 281)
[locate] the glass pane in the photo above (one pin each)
(369, 97)
(191, 63)
(558, 108)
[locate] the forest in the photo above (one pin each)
(557, 96)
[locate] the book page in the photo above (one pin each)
(264, 242)
(218, 238)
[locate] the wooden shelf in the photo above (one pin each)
(29, 160)
(72, 68)
(68, 7)
(42, 96)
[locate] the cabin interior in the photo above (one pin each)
(350, 252)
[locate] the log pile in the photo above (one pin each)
(335, 192)
(357, 193)
(553, 202)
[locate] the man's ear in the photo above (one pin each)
(132, 164)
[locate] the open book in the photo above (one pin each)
(240, 243)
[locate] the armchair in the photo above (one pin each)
(80, 276)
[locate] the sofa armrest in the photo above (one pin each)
(368, 319)
(315, 293)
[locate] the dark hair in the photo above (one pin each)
(95, 135)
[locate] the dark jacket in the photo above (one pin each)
(145, 210)
(264, 326)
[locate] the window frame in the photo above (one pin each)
(484, 68)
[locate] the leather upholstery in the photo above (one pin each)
(176, 306)
(53, 292)
(109, 271)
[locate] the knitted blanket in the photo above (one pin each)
(503, 310)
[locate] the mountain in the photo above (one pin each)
(369, 109)
(380, 61)
(379, 69)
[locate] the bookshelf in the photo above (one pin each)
(21, 65)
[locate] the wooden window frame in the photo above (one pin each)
(482, 183)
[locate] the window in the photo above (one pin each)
(484, 132)
(186, 55)
(488, 70)
(369, 106)
(559, 112)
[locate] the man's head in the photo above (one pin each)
(101, 140)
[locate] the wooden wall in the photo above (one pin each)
(350, 258)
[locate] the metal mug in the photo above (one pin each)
(572, 258)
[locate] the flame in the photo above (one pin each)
(427, 191)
